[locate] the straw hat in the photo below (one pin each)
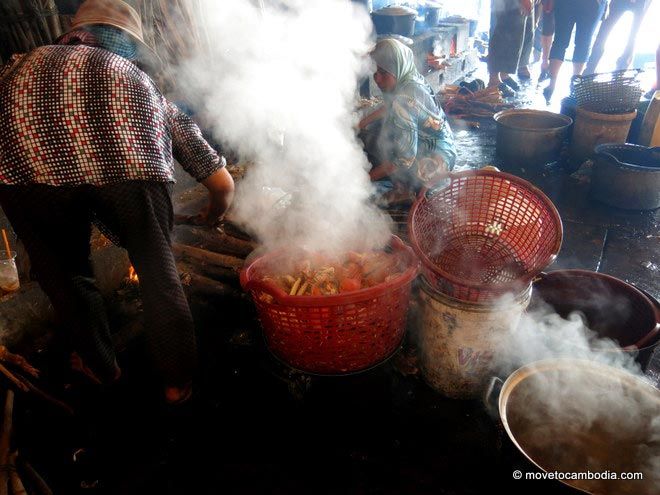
(115, 13)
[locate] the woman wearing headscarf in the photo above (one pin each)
(408, 140)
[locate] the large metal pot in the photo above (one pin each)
(611, 307)
(394, 20)
(572, 416)
(627, 176)
(530, 138)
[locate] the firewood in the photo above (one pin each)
(37, 392)
(15, 483)
(214, 240)
(5, 441)
(13, 379)
(37, 483)
(199, 284)
(214, 272)
(230, 262)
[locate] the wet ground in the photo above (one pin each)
(257, 427)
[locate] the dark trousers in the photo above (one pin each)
(54, 224)
(617, 9)
(584, 16)
(511, 37)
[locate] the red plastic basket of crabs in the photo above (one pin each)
(333, 315)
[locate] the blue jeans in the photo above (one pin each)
(584, 16)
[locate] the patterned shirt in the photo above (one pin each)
(74, 115)
(415, 128)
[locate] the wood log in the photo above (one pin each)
(213, 239)
(37, 392)
(201, 285)
(15, 483)
(5, 441)
(37, 483)
(231, 262)
(214, 272)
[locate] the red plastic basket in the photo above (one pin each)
(336, 334)
(484, 235)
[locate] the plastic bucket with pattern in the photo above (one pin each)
(458, 339)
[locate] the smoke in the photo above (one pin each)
(279, 88)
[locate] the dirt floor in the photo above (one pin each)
(257, 427)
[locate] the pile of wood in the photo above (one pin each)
(465, 104)
(17, 476)
(210, 259)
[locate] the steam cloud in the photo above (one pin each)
(279, 87)
(581, 407)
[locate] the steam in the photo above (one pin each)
(544, 334)
(574, 421)
(279, 88)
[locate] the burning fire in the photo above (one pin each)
(132, 275)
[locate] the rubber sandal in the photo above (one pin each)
(544, 76)
(506, 91)
(547, 93)
(509, 81)
(524, 76)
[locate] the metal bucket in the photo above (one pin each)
(530, 138)
(627, 176)
(394, 20)
(592, 129)
(459, 339)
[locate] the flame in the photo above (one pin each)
(132, 275)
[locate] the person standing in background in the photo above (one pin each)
(547, 33)
(511, 42)
(615, 11)
(583, 15)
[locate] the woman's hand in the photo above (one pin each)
(372, 117)
(381, 171)
(221, 193)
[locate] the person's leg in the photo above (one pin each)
(626, 58)
(604, 31)
(507, 31)
(54, 225)
(141, 216)
(527, 45)
(589, 13)
(547, 35)
(564, 22)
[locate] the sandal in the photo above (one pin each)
(545, 75)
(547, 93)
(509, 81)
(506, 91)
(524, 75)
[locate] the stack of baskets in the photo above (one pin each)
(606, 106)
(481, 240)
(484, 235)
